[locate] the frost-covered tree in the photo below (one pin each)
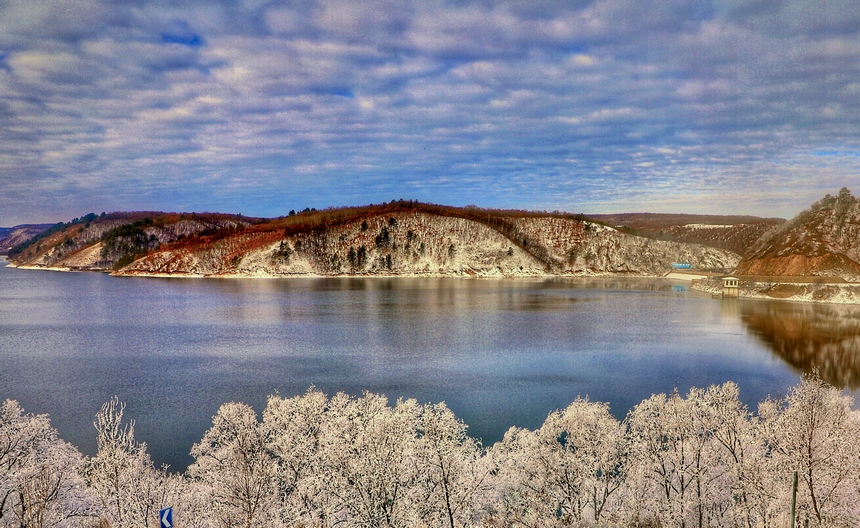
(130, 490)
(365, 460)
(449, 469)
(679, 459)
(40, 482)
(593, 451)
(740, 445)
(314, 461)
(566, 473)
(507, 502)
(814, 431)
(235, 467)
(296, 427)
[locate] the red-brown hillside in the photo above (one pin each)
(822, 241)
(401, 237)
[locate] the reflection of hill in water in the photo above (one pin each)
(809, 336)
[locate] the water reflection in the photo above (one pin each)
(808, 336)
(729, 309)
(499, 353)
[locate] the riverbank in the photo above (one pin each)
(267, 274)
(825, 292)
(814, 292)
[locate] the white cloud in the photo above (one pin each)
(379, 98)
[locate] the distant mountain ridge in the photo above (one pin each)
(822, 241)
(398, 238)
(734, 233)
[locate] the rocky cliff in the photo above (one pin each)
(822, 241)
(403, 238)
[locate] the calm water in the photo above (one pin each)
(500, 353)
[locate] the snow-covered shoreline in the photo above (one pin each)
(847, 293)
(459, 273)
(838, 293)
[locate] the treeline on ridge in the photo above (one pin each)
(128, 236)
(319, 461)
(314, 224)
(56, 228)
(123, 234)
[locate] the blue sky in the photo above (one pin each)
(259, 107)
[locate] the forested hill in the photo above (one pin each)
(822, 241)
(397, 238)
(13, 236)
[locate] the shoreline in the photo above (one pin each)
(430, 275)
(803, 292)
(462, 274)
(811, 292)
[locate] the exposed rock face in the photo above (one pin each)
(821, 241)
(396, 244)
(388, 240)
(423, 244)
(581, 247)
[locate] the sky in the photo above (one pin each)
(259, 107)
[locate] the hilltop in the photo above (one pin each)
(398, 238)
(822, 241)
(814, 257)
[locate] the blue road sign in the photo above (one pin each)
(166, 517)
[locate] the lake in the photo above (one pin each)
(498, 352)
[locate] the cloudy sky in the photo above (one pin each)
(259, 107)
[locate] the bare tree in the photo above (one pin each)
(449, 472)
(40, 482)
(235, 463)
(814, 431)
(129, 488)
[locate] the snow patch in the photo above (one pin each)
(708, 226)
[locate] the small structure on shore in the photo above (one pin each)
(730, 287)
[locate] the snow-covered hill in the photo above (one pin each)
(403, 238)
